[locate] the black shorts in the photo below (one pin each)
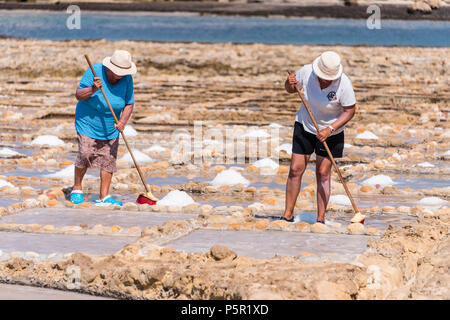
(304, 142)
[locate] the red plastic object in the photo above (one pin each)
(142, 200)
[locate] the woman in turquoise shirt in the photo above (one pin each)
(98, 134)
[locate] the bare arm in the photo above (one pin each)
(345, 117)
(126, 113)
(290, 83)
(86, 93)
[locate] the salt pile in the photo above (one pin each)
(138, 155)
(176, 198)
(155, 148)
(426, 165)
(432, 202)
(229, 177)
(129, 131)
(340, 199)
(49, 140)
(348, 145)
(447, 153)
(285, 147)
(4, 183)
(66, 173)
(259, 133)
(6, 152)
(380, 179)
(266, 162)
(367, 135)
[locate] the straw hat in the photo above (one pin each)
(328, 66)
(120, 63)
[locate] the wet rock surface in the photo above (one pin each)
(225, 240)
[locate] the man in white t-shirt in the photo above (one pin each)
(330, 96)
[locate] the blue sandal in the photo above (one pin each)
(108, 200)
(76, 196)
(288, 220)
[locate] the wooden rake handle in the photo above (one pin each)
(123, 135)
(302, 97)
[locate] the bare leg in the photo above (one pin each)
(294, 181)
(79, 174)
(323, 174)
(105, 183)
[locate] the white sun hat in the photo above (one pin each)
(120, 63)
(328, 66)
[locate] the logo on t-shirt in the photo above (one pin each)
(331, 95)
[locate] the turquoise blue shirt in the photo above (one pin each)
(92, 116)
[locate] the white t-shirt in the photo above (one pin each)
(326, 105)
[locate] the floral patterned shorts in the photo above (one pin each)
(93, 153)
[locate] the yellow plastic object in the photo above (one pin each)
(358, 217)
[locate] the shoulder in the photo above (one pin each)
(306, 69)
(304, 72)
(345, 80)
(98, 66)
(129, 79)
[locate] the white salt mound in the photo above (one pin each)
(380, 179)
(426, 165)
(447, 153)
(341, 200)
(129, 131)
(155, 148)
(366, 135)
(432, 201)
(266, 162)
(348, 145)
(229, 177)
(49, 140)
(286, 147)
(176, 198)
(6, 152)
(66, 173)
(138, 155)
(259, 133)
(4, 183)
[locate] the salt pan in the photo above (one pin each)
(367, 135)
(49, 140)
(229, 177)
(176, 198)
